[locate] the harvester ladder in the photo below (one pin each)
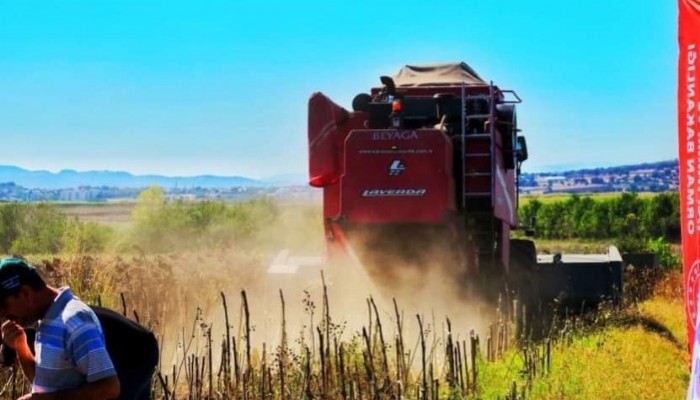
(478, 175)
(478, 148)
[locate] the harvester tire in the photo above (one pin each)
(523, 253)
(522, 279)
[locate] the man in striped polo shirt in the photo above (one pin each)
(71, 360)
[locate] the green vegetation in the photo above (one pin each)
(552, 198)
(634, 222)
(639, 352)
(178, 258)
(603, 218)
(590, 223)
(42, 228)
(158, 226)
(180, 225)
(612, 365)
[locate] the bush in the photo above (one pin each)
(86, 237)
(42, 228)
(668, 258)
(160, 226)
(38, 229)
(627, 216)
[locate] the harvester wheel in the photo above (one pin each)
(523, 263)
(523, 253)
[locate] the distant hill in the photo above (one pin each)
(655, 177)
(72, 179)
(658, 176)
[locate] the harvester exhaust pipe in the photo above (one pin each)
(389, 85)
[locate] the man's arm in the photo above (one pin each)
(103, 389)
(15, 337)
(27, 362)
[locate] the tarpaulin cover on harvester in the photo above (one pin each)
(423, 172)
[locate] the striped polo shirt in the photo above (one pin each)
(70, 346)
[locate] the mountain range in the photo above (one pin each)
(68, 178)
(658, 173)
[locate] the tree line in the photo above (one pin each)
(588, 217)
(632, 222)
(158, 226)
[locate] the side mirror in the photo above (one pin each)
(521, 149)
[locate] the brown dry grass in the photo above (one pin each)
(180, 297)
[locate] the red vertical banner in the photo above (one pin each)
(689, 153)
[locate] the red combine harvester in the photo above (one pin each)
(423, 173)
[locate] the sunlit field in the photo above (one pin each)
(197, 275)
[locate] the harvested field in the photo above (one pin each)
(225, 335)
(115, 214)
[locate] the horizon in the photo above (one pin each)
(557, 169)
(221, 89)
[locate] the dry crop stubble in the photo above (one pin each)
(179, 295)
(169, 288)
(183, 302)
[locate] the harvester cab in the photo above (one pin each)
(423, 173)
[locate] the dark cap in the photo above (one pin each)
(14, 273)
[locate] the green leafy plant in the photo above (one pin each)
(668, 257)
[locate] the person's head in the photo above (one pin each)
(20, 289)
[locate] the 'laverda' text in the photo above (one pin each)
(394, 192)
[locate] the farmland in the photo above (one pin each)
(117, 215)
(589, 358)
(332, 338)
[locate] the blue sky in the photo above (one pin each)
(206, 87)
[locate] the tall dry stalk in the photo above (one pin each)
(227, 349)
(424, 386)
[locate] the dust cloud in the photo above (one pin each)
(197, 319)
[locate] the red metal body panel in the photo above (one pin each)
(327, 128)
(394, 176)
(379, 178)
(324, 116)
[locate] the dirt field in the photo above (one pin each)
(115, 214)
